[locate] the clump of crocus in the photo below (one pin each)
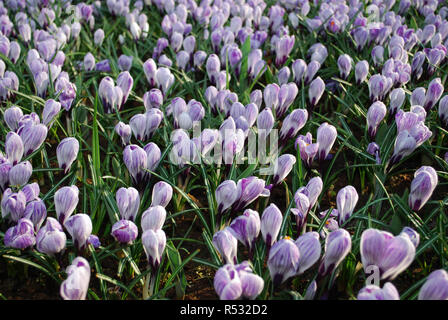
(234, 282)
(373, 292)
(422, 186)
(76, 285)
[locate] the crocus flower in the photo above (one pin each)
(315, 91)
(361, 71)
(89, 62)
(65, 201)
(270, 95)
(283, 49)
(443, 110)
(51, 109)
(76, 285)
(125, 62)
(162, 193)
(14, 147)
(20, 236)
(283, 261)
(135, 159)
(346, 200)
(326, 136)
(372, 292)
(283, 167)
(51, 238)
(154, 243)
(226, 244)
(344, 65)
(124, 231)
(435, 287)
(79, 226)
(36, 211)
(310, 249)
(397, 97)
(128, 202)
(422, 186)
(226, 195)
(33, 135)
(283, 75)
(292, 124)
(337, 245)
(374, 150)
(12, 116)
(435, 91)
(153, 218)
(67, 152)
(308, 149)
(153, 99)
(247, 190)
(98, 37)
(311, 70)
(13, 204)
(375, 115)
(246, 228)
(408, 140)
(271, 221)
(299, 68)
(124, 131)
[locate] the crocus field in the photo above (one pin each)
(224, 149)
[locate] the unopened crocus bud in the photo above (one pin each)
(311, 70)
(150, 68)
(326, 136)
(14, 147)
(51, 109)
(153, 218)
(418, 96)
(374, 150)
(226, 244)
(283, 49)
(154, 242)
(301, 210)
(283, 261)
(443, 110)
(36, 211)
(292, 124)
(31, 191)
(67, 152)
(270, 95)
(98, 37)
(308, 149)
(248, 189)
(397, 97)
(315, 91)
(128, 202)
(256, 97)
(361, 71)
(125, 83)
(226, 195)
(162, 193)
(271, 221)
(435, 286)
(346, 201)
(199, 58)
(422, 186)
(182, 59)
(375, 115)
(265, 123)
(125, 62)
(76, 285)
(79, 226)
(299, 68)
(153, 99)
(135, 159)
(13, 204)
(65, 201)
(12, 116)
(51, 238)
(33, 135)
(283, 167)
(337, 245)
(344, 65)
(412, 234)
(124, 231)
(391, 255)
(435, 91)
(310, 249)
(124, 131)
(372, 292)
(20, 173)
(20, 236)
(283, 75)
(89, 62)
(246, 228)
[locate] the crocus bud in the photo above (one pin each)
(292, 124)
(397, 97)
(361, 71)
(315, 91)
(418, 96)
(265, 123)
(31, 191)
(76, 285)
(65, 201)
(326, 136)
(375, 115)
(251, 283)
(67, 152)
(248, 189)
(124, 231)
(14, 147)
(13, 204)
(20, 173)
(21, 236)
(128, 202)
(270, 95)
(283, 48)
(372, 292)
(346, 200)
(301, 210)
(391, 255)
(51, 109)
(12, 116)
(283, 75)
(226, 244)
(33, 135)
(226, 195)
(337, 245)
(412, 234)
(125, 62)
(79, 226)
(98, 37)
(310, 249)
(299, 68)
(435, 91)
(135, 159)
(153, 99)
(89, 62)
(150, 68)
(199, 58)
(374, 150)
(51, 238)
(153, 218)
(154, 243)
(422, 186)
(124, 131)
(283, 261)
(344, 65)
(283, 167)
(246, 228)
(162, 193)
(36, 212)
(311, 70)
(256, 97)
(271, 222)
(125, 83)
(443, 110)
(435, 286)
